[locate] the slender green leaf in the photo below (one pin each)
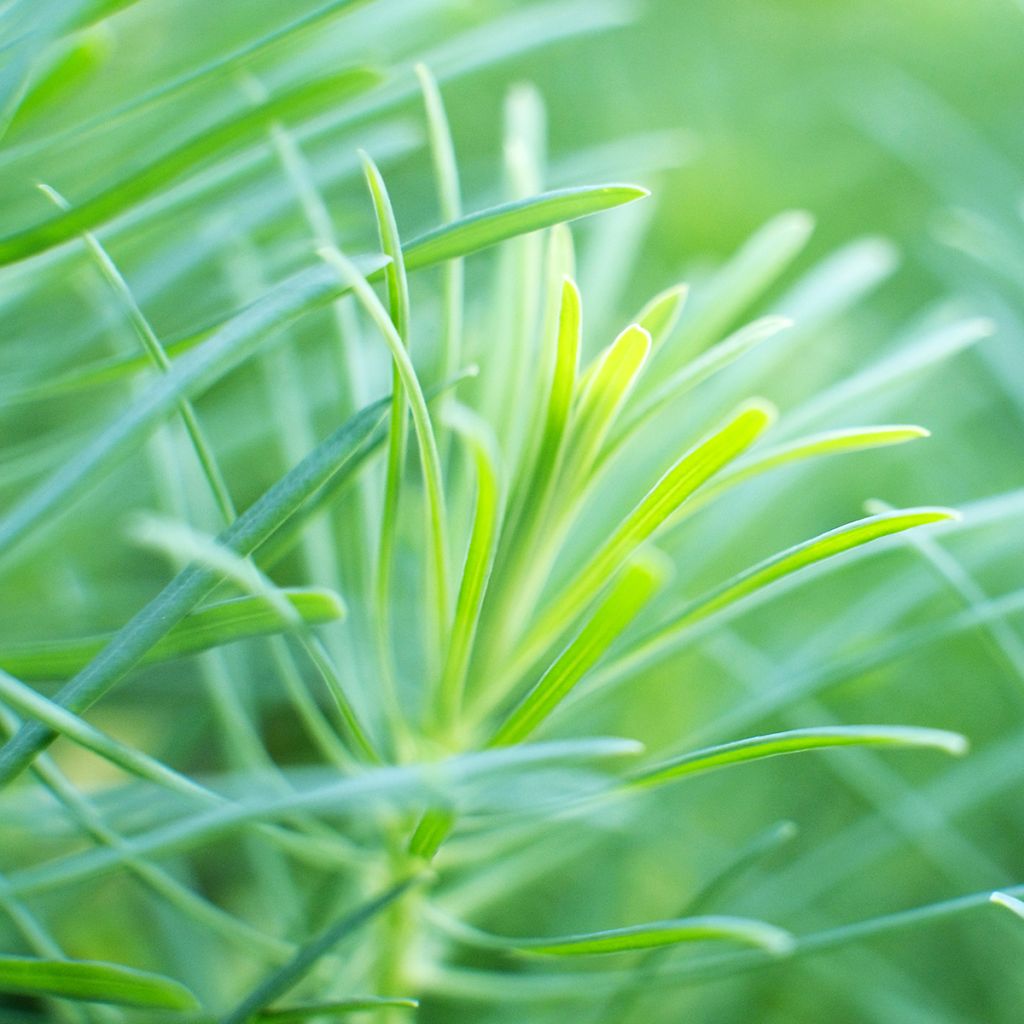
(157, 355)
(831, 442)
(566, 337)
(779, 566)
(430, 459)
(56, 720)
(446, 176)
(704, 366)
(664, 933)
(693, 469)
(795, 741)
(301, 102)
(398, 425)
(288, 976)
(212, 626)
(604, 390)
(636, 585)
(661, 314)
(746, 276)
(479, 560)
(481, 230)
(254, 526)
(93, 982)
(338, 1008)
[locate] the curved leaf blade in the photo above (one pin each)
(93, 981)
(481, 230)
(658, 934)
(215, 625)
(795, 741)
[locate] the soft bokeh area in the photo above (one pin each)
(841, 188)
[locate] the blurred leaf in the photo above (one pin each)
(338, 1008)
(212, 626)
(241, 130)
(664, 933)
(94, 982)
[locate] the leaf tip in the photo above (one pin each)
(1008, 902)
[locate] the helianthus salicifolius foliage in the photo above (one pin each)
(340, 555)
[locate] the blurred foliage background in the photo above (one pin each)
(897, 127)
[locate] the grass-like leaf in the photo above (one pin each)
(299, 103)
(479, 560)
(92, 981)
(221, 623)
(657, 934)
(288, 976)
(637, 584)
(661, 314)
(604, 390)
(481, 230)
(337, 1008)
(785, 563)
(692, 470)
(188, 588)
(795, 741)
(830, 442)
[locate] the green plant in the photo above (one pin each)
(446, 600)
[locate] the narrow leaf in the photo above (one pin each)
(339, 1008)
(665, 933)
(637, 584)
(213, 626)
(479, 560)
(242, 129)
(661, 314)
(832, 442)
(826, 545)
(92, 981)
(481, 230)
(335, 455)
(288, 976)
(692, 470)
(604, 390)
(796, 741)
(1011, 903)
